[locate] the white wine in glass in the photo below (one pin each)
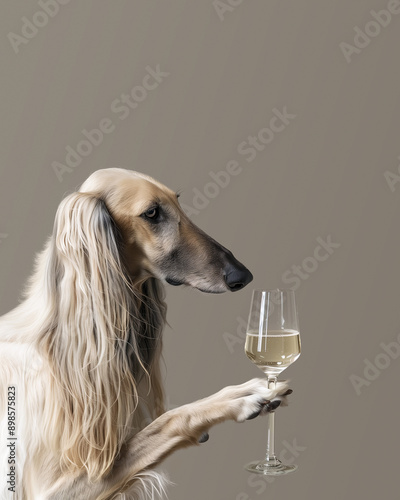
(272, 344)
(274, 352)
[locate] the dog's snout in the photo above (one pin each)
(237, 277)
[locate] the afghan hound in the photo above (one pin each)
(79, 356)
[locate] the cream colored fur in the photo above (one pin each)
(83, 350)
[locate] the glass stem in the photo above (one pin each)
(270, 456)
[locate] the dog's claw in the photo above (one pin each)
(263, 404)
(204, 437)
(254, 415)
(273, 405)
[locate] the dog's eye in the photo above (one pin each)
(152, 213)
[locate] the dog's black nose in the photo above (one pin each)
(237, 278)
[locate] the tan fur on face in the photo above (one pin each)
(127, 195)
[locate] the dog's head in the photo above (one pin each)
(159, 239)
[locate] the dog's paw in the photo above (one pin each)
(255, 398)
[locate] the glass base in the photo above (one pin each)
(270, 468)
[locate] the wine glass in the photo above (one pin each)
(273, 344)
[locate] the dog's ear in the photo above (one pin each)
(103, 336)
(90, 345)
(85, 233)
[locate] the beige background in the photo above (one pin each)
(323, 175)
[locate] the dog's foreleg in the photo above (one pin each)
(175, 429)
(189, 425)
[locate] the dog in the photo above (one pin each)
(79, 356)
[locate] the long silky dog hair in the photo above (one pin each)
(101, 336)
